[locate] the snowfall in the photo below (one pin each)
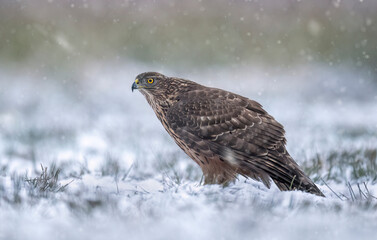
(85, 158)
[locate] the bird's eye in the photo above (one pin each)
(150, 80)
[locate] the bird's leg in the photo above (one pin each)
(218, 179)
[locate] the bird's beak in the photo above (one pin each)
(134, 86)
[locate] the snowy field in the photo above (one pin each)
(84, 158)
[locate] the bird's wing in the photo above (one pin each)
(239, 131)
(228, 120)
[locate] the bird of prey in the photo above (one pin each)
(224, 133)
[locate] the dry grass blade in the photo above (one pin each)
(352, 193)
(47, 181)
(331, 189)
(368, 192)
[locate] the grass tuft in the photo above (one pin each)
(47, 182)
(358, 165)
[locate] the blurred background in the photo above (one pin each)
(54, 37)
(66, 69)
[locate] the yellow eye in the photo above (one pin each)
(150, 80)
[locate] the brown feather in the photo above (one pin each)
(225, 133)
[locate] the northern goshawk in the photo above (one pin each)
(224, 133)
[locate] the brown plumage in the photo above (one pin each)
(224, 133)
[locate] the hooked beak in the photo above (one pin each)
(134, 86)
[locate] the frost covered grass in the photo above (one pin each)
(89, 159)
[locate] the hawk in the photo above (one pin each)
(224, 133)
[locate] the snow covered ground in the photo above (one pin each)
(84, 158)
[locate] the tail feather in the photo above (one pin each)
(277, 165)
(294, 178)
(307, 187)
(284, 172)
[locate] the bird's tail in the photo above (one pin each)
(288, 176)
(305, 185)
(279, 166)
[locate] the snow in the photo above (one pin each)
(82, 157)
(127, 179)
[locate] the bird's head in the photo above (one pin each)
(158, 89)
(150, 82)
(161, 89)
